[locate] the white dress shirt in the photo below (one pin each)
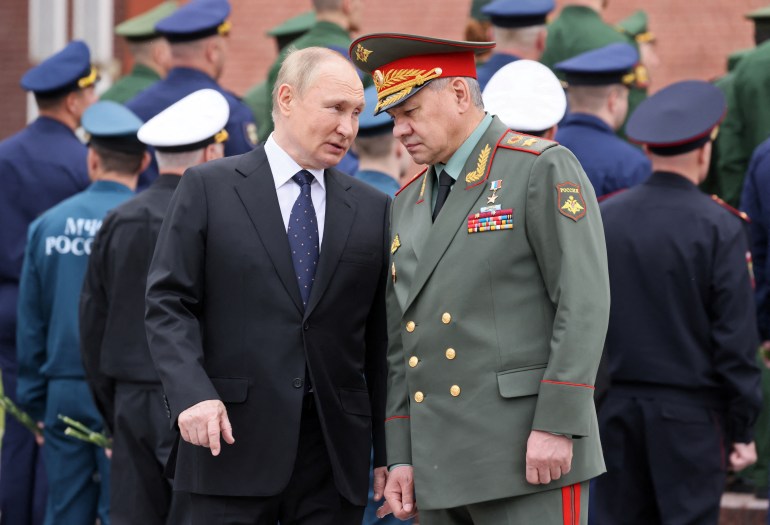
(284, 168)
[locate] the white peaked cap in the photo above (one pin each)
(191, 123)
(526, 95)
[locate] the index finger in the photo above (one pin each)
(213, 432)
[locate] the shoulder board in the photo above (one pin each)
(523, 142)
(609, 195)
(411, 181)
(738, 213)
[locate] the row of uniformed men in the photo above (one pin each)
(607, 67)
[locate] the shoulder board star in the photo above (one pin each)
(738, 213)
(523, 142)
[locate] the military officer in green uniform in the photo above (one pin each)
(748, 117)
(335, 21)
(580, 28)
(258, 98)
(498, 303)
(152, 56)
(725, 84)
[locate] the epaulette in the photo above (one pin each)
(523, 142)
(411, 181)
(738, 213)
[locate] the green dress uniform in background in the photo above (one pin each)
(258, 97)
(138, 29)
(140, 78)
(578, 29)
(748, 115)
(322, 34)
(725, 84)
(493, 334)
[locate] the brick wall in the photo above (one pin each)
(694, 37)
(13, 57)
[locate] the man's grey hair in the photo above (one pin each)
(473, 84)
(591, 99)
(519, 37)
(182, 159)
(299, 70)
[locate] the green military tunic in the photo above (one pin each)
(258, 98)
(495, 328)
(140, 78)
(579, 29)
(747, 123)
(322, 34)
(713, 183)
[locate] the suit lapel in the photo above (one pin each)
(453, 217)
(257, 193)
(340, 211)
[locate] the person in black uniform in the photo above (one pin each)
(682, 336)
(114, 348)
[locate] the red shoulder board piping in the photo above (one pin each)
(738, 213)
(608, 195)
(523, 142)
(411, 181)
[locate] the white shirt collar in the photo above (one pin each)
(284, 167)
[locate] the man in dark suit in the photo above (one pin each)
(266, 315)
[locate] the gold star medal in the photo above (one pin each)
(493, 187)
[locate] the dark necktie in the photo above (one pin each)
(444, 187)
(303, 236)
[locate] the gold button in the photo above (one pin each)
(455, 390)
(413, 361)
(419, 396)
(410, 326)
(446, 318)
(450, 353)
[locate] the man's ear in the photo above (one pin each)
(285, 98)
(462, 93)
(94, 163)
(146, 158)
(542, 36)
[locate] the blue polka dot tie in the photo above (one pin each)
(303, 235)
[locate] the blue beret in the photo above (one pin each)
(611, 64)
(195, 20)
(113, 126)
(518, 13)
(66, 71)
(678, 118)
(370, 124)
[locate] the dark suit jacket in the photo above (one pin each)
(225, 321)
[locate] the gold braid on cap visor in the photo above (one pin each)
(88, 80)
(396, 84)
